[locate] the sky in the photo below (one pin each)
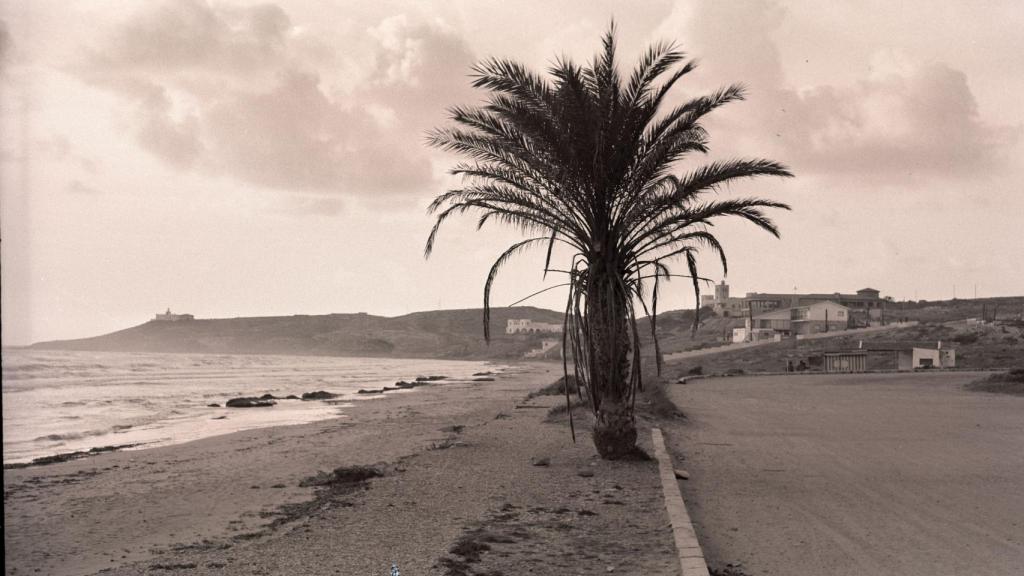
(237, 159)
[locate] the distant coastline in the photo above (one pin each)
(445, 334)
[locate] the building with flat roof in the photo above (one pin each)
(865, 307)
(527, 326)
(813, 318)
(865, 303)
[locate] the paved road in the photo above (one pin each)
(854, 475)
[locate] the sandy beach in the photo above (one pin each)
(473, 480)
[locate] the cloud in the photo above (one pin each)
(921, 121)
(79, 187)
(905, 120)
(243, 93)
(6, 44)
(312, 205)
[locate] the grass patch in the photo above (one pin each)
(556, 388)
(560, 411)
(654, 401)
(1011, 382)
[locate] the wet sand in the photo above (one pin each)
(854, 474)
(458, 474)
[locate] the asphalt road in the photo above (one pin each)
(903, 474)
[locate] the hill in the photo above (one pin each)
(454, 334)
(1002, 308)
(458, 334)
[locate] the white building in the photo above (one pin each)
(527, 326)
(914, 358)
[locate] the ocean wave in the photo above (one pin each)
(60, 437)
(116, 428)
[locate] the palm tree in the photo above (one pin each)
(583, 159)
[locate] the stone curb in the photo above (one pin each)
(691, 558)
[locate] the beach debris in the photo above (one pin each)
(219, 418)
(469, 549)
(454, 429)
(249, 402)
(343, 476)
(585, 473)
(681, 474)
(543, 461)
(178, 566)
(502, 416)
(319, 395)
(66, 456)
(449, 442)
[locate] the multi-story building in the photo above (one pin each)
(865, 307)
(722, 304)
(797, 321)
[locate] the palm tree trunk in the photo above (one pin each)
(607, 319)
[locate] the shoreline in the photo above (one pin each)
(42, 428)
(329, 399)
(456, 462)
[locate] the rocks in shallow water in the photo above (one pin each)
(483, 374)
(291, 397)
(402, 384)
(585, 473)
(545, 461)
(365, 391)
(213, 405)
(269, 397)
(249, 402)
(487, 379)
(429, 378)
(318, 395)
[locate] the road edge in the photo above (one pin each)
(691, 557)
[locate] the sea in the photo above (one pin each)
(56, 402)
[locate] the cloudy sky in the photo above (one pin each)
(234, 159)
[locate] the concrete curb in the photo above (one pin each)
(691, 558)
